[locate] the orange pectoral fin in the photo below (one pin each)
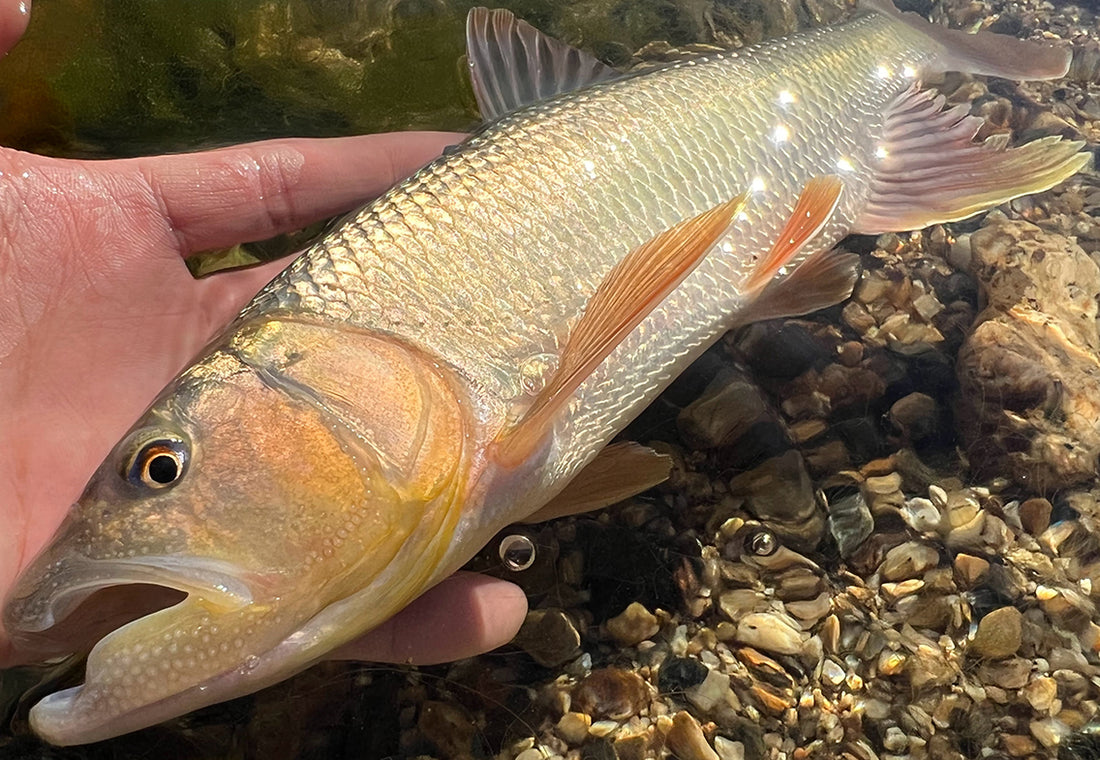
(811, 212)
(629, 292)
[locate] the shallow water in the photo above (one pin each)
(116, 78)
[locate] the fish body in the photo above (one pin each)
(449, 359)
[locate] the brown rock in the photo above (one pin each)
(549, 636)
(633, 625)
(908, 560)
(1018, 745)
(780, 493)
(1035, 515)
(1007, 674)
(1028, 371)
(686, 739)
(970, 570)
(611, 693)
(999, 634)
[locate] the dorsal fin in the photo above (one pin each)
(630, 291)
(513, 64)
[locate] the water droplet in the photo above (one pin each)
(534, 371)
(517, 552)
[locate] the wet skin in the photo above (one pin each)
(98, 312)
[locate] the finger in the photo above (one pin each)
(14, 15)
(249, 192)
(464, 615)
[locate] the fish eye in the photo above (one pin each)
(158, 464)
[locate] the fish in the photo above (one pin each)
(458, 355)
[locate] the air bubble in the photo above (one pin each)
(517, 552)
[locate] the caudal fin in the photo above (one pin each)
(986, 53)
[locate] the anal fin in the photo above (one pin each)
(930, 170)
(618, 472)
(824, 279)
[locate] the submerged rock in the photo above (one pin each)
(1030, 370)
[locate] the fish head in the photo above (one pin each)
(296, 487)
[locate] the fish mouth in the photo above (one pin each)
(95, 597)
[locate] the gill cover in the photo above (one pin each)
(323, 474)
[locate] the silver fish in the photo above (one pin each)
(451, 359)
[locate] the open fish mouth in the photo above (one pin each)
(143, 622)
(92, 598)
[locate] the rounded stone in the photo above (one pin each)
(999, 634)
(633, 625)
(611, 693)
(678, 674)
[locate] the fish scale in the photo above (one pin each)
(448, 360)
(503, 278)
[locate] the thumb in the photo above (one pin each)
(14, 15)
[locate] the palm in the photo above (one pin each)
(98, 310)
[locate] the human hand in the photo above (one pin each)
(98, 312)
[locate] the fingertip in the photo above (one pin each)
(465, 615)
(14, 15)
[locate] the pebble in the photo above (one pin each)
(632, 745)
(1018, 745)
(1050, 732)
(999, 634)
(921, 514)
(895, 739)
(832, 673)
(549, 636)
(780, 493)
(1012, 673)
(1041, 692)
(938, 496)
(908, 560)
(611, 693)
(970, 570)
(916, 417)
(685, 739)
(1035, 515)
(678, 674)
(728, 749)
(633, 625)
(725, 411)
(771, 632)
(714, 690)
(573, 727)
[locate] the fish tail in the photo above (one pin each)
(984, 52)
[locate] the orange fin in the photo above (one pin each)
(811, 212)
(822, 280)
(618, 472)
(631, 290)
